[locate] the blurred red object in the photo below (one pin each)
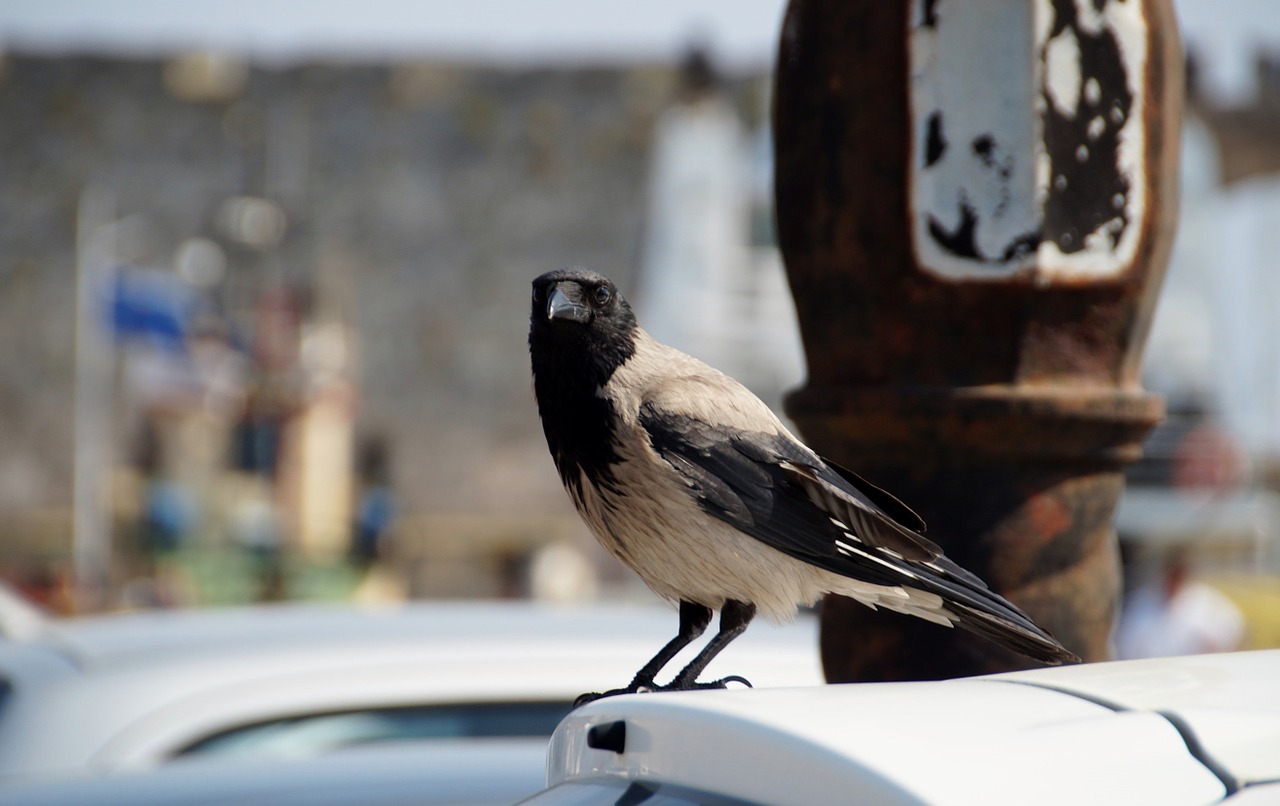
(1208, 457)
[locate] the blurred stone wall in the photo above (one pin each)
(419, 199)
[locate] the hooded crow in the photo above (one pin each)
(692, 482)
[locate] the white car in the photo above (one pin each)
(385, 774)
(1191, 730)
(113, 694)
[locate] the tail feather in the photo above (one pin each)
(1024, 638)
(982, 611)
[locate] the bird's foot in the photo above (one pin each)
(680, 684)
(640, 685)
(645, 686)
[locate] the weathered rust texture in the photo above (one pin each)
(1003, 412)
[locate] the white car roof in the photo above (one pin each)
(146, 637)
(1229, 702)
(125, 692)
(1188, 730)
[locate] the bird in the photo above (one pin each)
(692, 482)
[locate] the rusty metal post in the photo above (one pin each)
(976, 201)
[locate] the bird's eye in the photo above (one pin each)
(603, 294)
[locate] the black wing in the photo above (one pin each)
(781, 493)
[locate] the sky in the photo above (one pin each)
(1227, 34)
(741, 32)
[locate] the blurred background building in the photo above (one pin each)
(264, 273)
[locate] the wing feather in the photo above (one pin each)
(775, 489)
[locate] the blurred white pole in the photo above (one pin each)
(91, 535)
(695, 251)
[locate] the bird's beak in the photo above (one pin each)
(561, 306)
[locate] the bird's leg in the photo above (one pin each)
(734, 618)
(694, 619)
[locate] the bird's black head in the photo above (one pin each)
(581, 331)
(580, 323)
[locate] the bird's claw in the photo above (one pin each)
(674, 685)
(693, 685)
(634, 688)
(592, 696)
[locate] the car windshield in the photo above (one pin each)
(315, 733)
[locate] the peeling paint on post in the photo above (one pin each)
(973, 326)
(1028, 137)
